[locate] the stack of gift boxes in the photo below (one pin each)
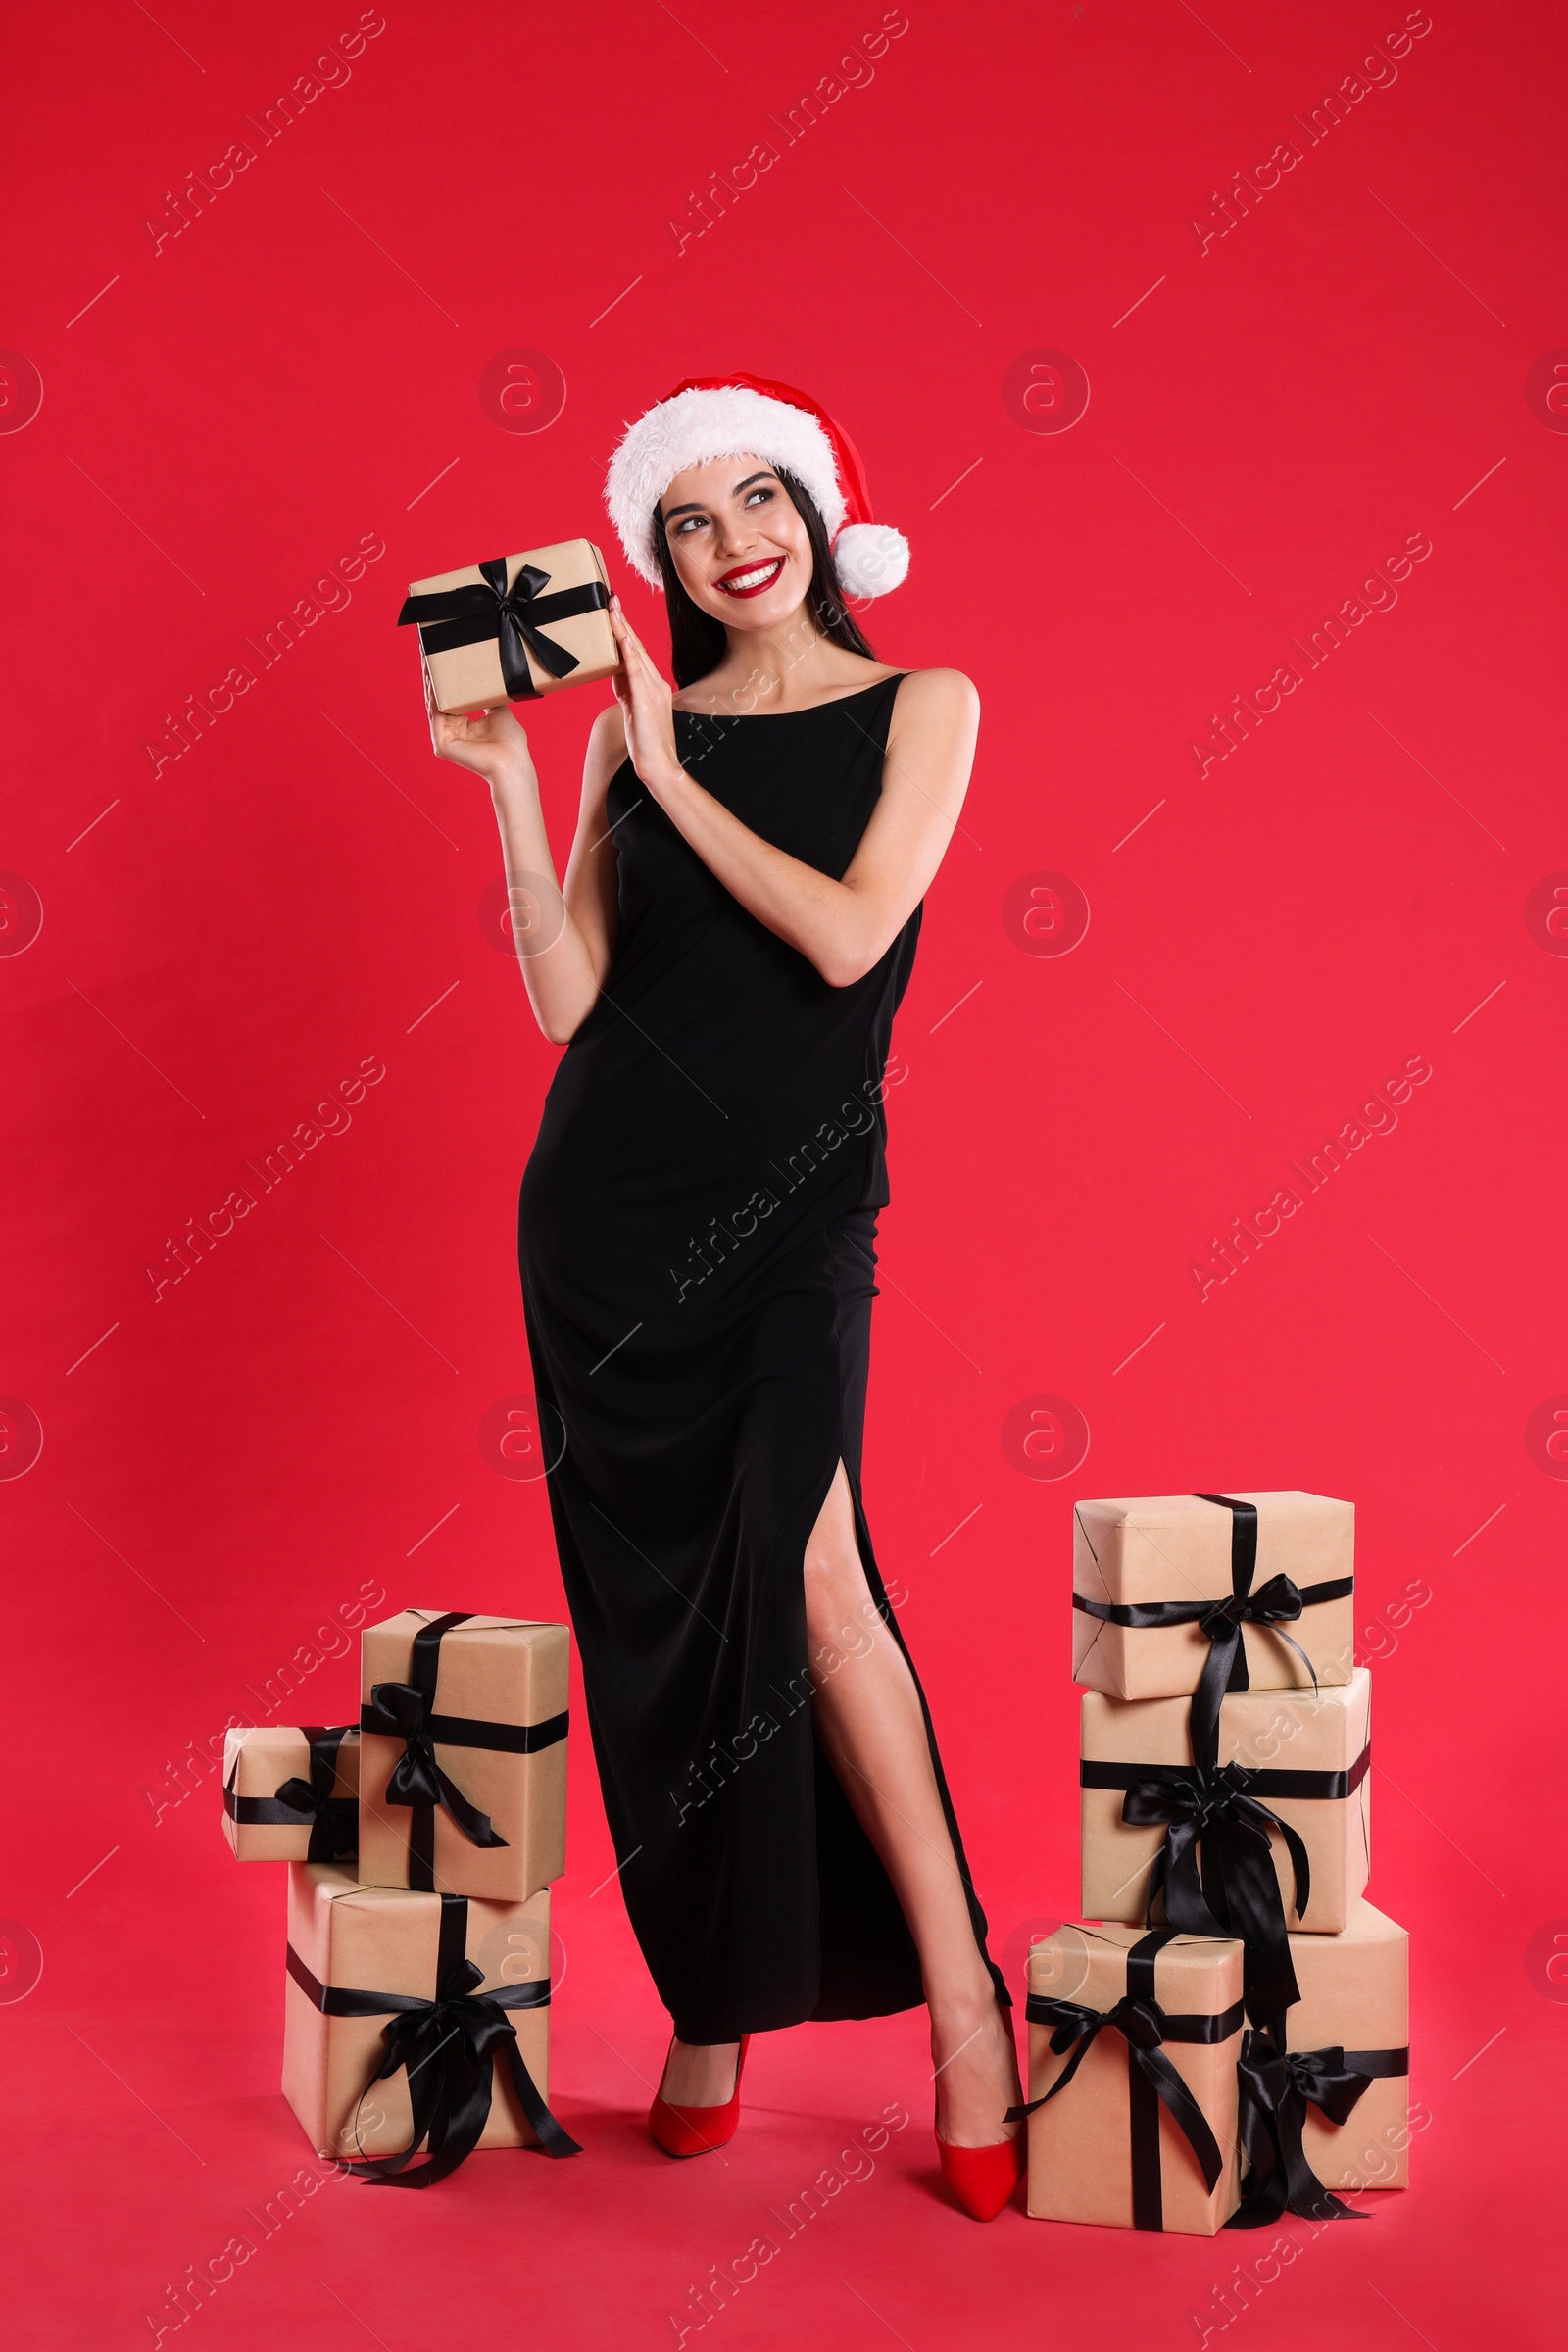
(1226, 2038)
(420, 1844)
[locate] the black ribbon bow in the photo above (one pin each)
(334, 1820)
(1216, 1871)
(1152, 2079)
(1275, 1603)
(1274, 2087)
(515, 616)
(449, 2047)
(405, 1711)
(416, 1779)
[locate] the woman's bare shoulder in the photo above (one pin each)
(607, 740)
(938, 694)
(606, 752)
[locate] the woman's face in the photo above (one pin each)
(738, 541)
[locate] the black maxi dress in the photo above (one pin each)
(697, 1234)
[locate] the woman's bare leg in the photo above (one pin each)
(869, 1719)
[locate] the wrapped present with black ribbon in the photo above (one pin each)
(462, 1753)
(1267, 1830)
(1324, 2094)
(1241, 1592)
(291, 1791)
(513, 626)
(1133, 2046)
(416, 2027)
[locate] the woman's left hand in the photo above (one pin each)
(646, 702)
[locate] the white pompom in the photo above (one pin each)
(870, 558)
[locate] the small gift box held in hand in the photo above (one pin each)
(416, 2026)
(462, 1753)
(1132, 2045)
(514, 627)
(291, 1791)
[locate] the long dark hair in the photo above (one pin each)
(697, 639)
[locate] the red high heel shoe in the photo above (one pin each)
(983, 2180)
(696, 2130)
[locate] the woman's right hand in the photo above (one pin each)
(489, 743)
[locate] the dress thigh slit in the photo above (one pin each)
(852, 1242)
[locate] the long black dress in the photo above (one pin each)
(697, 1241)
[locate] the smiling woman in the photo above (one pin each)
(697, 638)
(724, 966)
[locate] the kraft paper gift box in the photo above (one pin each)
(1107, 2146)
(291, 1791)
(466, 1716)
(1355, 2002)
(377, 1979)
(1302, 1754)
(1170, 1558)
(513, 626)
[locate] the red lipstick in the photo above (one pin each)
(768, 567)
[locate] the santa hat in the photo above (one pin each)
(734, 415)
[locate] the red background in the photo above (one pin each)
(223, 418)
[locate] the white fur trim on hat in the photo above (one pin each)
(691, 427)
(870, 558)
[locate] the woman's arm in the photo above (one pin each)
(565, 940)
(845, 927)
